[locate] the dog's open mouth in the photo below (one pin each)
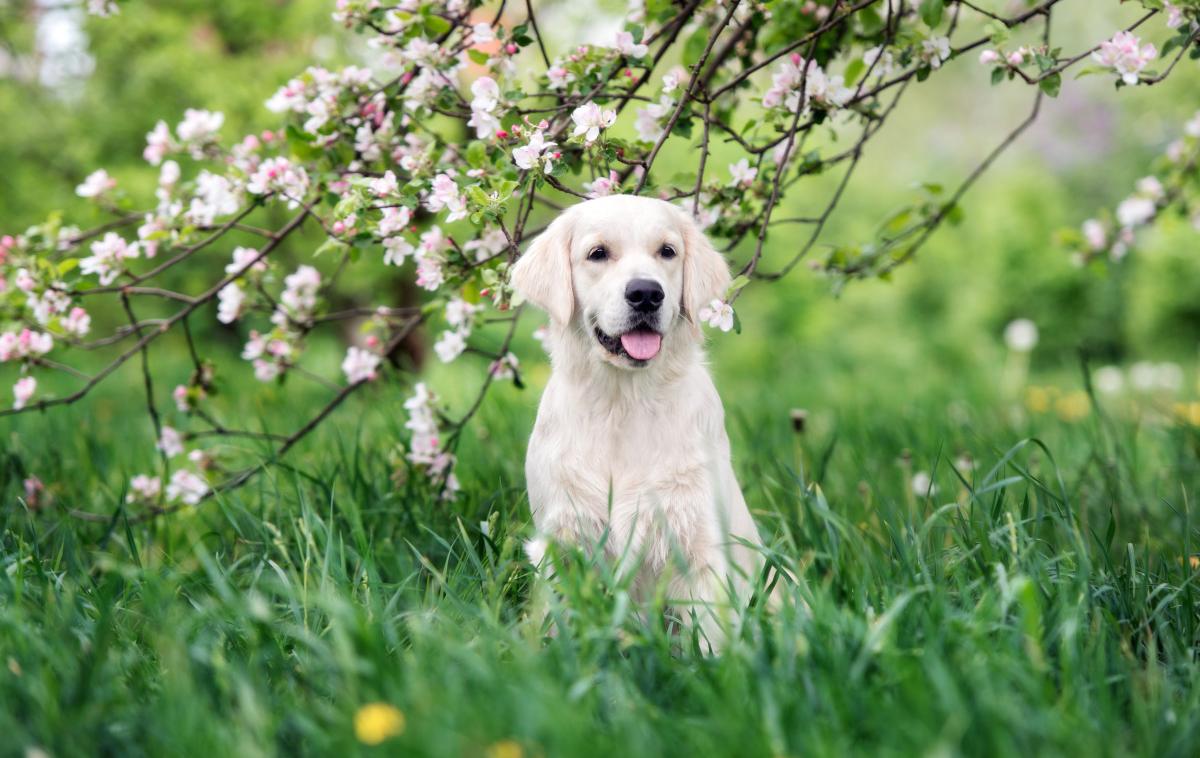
(640, 343)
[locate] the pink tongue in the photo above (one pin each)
(641, 345)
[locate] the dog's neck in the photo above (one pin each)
(573, 355)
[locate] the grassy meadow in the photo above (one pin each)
(995, 553)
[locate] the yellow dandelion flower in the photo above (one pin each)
(1037, 399)
(1073, 406)
(1187, 413)
(1194, 561)
(376, 722)
(505, 749)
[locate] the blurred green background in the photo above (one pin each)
(876, 344)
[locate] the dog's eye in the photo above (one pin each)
(667, 251)
(598, 254)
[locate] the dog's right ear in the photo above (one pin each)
(543, 274)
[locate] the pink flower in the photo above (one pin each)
(718, 314)
(527, 156)
(385, 185)
(23, 390)
(199, 126)
(1174, 13)
(360, 365)
(170, 442)
(1126, 55)
(187, 487)
(230, 299)
(77, 322)
(158, 144)
(394, 220)
(1135, 211)
(242, 257)
(279, 175)
(604, 185)
(180, 395)
(989, 57)
(482, 33)
(444, 194)
(504, 368)
(742, 172)
(630, 49)
(559, 77)
(96, 184)
(144, 488)
(590, 120)
(1094, 234)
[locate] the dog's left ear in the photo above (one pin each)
(705, 272)
(543, 274)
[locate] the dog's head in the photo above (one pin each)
(628, 274)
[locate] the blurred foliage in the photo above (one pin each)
(946, 311)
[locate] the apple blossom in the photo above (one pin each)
(96, 184)
(450, 345)
(590, 120)
(881, 59)
(935, 51)
(145, 488)
(488, 245)
(199, 127)
(989, 57)
(158, 143)
(559, 77)
(280, 175)
(1174, 13)
(743, 173)
(106, 260)
(628, 47)
(23, 391)
(482, 33)
(103, 8)
(1126, 55)
(170, 442)
(231, 300)
(604, 185)
(1094, 234)
(396, 251)
(1135, 211)
(394, 220)
(360, 365)
(186, 487)
(528, 156)
(385, 185)
(504, 368)
(243, 258)
(77, 322)
(718, 314)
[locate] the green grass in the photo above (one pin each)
(1042, 604)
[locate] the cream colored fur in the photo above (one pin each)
(636, 454)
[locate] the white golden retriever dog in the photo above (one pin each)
(629, 449)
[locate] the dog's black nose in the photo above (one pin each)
(644, 295)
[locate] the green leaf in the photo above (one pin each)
(997, 75)
(477, 56)
(931, 12)
(1051, 85)
(853, 71)
(736, 284)
(436, 26)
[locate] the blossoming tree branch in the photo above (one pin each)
(468, 127)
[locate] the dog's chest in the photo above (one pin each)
(643, 476)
